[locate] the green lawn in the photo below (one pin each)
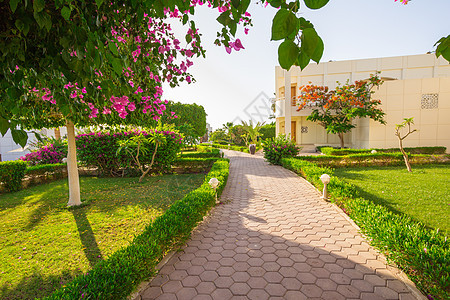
(423, 194)
(43, 244)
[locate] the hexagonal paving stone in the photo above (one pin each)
(186, 294)
(257, 282)
(306, 278)
(239, 288)
(275, 289)
(257, 295)
(222, 294)
(205, 287)
(209, 276)
(240, 277)
(291, 284)
(311, 291)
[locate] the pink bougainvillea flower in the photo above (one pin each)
(131, 106)
(238, 44)
(106, 111)
(228, 49)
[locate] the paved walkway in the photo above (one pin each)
(274, 238)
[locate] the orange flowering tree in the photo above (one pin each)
(336, 109)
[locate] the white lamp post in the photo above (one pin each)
(214, 183)
(325, 180)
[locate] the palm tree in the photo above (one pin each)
(253, 131)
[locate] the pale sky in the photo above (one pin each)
(351, 29)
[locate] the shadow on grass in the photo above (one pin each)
(37, 286)
(87, 237)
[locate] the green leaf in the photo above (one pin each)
(244, 6)
(287, 54)
(38, 5)
(19, 136)
(303, 23)
(4, 126)
(13, 93)
(443, 48)
(235, 3)
(113, 48)
(302, 60)
(99, 2)
(310, 41)
(317, 55)
(185, 19)
(284, 23)
(316, 4)
(117, 65)
(275, 3)
(188, 38)
(19, 24)
(13, 5)
(65, 13)
(224, 18)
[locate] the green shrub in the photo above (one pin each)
(349, 151)
(117, 276)
(193, 164)
(422, 253)
(99, 150)
(213, 153)
(278, 148)
(205, 148)
(44, 169)
(372, 159)
(11, 174)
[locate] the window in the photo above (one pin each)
(429, 101)
(294, 95)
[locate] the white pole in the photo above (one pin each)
(72, 168)
(287, 103)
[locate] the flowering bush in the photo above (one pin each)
(100, 150)
(277, 148)
(48, 154)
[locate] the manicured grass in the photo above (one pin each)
(43, 244)
(423, 194)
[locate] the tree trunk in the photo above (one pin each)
(405, 157)
(57, 133)
(72, 168)
(341, 137)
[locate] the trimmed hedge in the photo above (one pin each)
(423, 254)
(414, 150)
(12, 173)
(231, 147)
(117, 276)
(39, 170)
(193, 164)
(214, 153)
(372, 159)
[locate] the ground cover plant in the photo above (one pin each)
(44, 245)
(424, 195)
(423, 253)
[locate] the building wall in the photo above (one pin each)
(9, 150)
(407, 78)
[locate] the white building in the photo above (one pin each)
(9, 150)
(415, 86)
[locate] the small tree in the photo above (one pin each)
(335, 110)
(139, 144)
(406, 123)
